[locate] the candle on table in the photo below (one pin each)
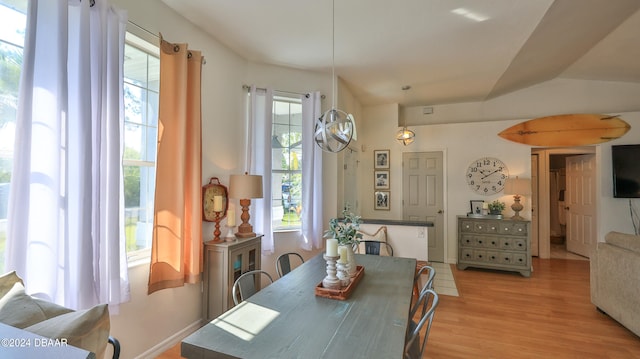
(231, 218)
(332, 247)
(217, 203)
(342, 250)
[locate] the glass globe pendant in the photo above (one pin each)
(334, 130)
(405, 136)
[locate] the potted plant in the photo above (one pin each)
(496, 207)
(345, 230)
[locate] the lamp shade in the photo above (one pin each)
(245, 186)
(517, 186)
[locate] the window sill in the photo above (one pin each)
(139, 262)
(287, 230)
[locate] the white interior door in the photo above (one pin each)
(422, 196)
(581, 208)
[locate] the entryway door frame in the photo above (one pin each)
(542, 220)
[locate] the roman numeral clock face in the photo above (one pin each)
(487, 175)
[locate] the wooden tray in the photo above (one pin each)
(343, 293)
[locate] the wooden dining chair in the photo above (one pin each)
(426, 305)
(283, 263)
(247, 285)
(375, 247)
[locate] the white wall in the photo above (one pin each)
(613, 213)
(461, 143)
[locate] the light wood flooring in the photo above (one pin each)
(505, 315)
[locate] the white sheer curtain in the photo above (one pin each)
(259, 161)
(65, 221)
(312, 219)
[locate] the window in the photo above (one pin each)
(286, 173)
(141, 87)
(12, 29)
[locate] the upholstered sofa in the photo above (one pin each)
(86, 329)
(615, 278)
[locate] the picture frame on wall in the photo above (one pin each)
(381, 179)
(381, 159)
(382, 200)
(477, 207)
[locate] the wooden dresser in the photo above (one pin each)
(224, 262)
(502, 244)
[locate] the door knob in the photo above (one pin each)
(440, 212)
(566, 208)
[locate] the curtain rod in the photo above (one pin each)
(143, 29)
(247, 87)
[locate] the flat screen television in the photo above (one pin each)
(625, 160)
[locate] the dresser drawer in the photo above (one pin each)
(513, 229)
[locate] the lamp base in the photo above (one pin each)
(517, 207)
(245, 235)
(245, 230)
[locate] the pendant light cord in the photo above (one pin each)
(333, 54)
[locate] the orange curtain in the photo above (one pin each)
(176, 250)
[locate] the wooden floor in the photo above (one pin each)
(505, 315)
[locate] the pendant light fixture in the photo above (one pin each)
(335, 128)
(405, 136)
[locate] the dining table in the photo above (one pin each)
(287, 319)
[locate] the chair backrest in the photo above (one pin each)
(247, 285)
(283, 263)
(427, 303)
(374, 247)
(429, 283)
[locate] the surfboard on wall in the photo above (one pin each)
(567, 130)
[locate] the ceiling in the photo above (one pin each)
(448, 51)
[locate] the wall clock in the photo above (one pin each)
(209, 191)
(487, 175)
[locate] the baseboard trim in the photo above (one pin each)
(166, 344)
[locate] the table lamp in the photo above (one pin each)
(517, 187)
(244, 187)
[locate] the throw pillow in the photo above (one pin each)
(21, 310)
(7, 281)
(87, 329)
(380, 236)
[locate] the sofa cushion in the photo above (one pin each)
(87, 329)
(7, 281)
(21, 310)
(623, 240)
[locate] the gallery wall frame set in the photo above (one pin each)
(381, 179)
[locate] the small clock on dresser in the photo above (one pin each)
(487, 175)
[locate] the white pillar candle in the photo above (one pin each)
(332, 247)
(231, 218)
(342, 250)
(217, 203)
